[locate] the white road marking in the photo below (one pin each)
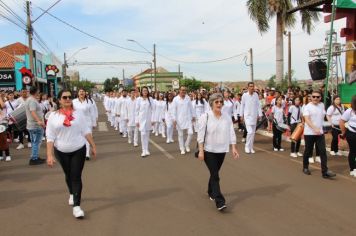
(169, 156)
(102, 127)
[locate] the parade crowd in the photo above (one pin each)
(66, 123)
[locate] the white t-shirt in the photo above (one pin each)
(335, 114)
(316, 114)
(350, 117)
(296, 113)
(278, 114)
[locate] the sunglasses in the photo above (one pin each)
(315, 96)
(217, 102)
(67, 97)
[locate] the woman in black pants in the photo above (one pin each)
(334, 114)
(278, 118)
(216, 132)
(294, 118)
(67, 133)
(350, 133)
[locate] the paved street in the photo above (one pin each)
(165, 194)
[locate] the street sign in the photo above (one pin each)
(346, 4)
(175, 84)
(7, 76)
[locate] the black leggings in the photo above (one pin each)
(295, 146)
(335, 141)
(351, 140)
(214, 162)
(21, 136)
(73, 164)
(277, 137)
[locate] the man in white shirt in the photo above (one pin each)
(250, 112)
(119, 109)
(314, 114)
(183, 116)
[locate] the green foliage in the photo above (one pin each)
(191, 83)
(272, 81)
(111, 84)
(85, 84)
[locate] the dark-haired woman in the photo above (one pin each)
(168, 117)
(200, 108)
(350, 133)
(82, 104)
(143, 118)
(295, 118)
(333, 115)
(67, 135)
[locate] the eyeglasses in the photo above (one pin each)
(315, 96)
(219, 101)
(67, 97)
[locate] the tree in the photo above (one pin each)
(261, 11)
(107, 85)
(272, 81)
(191, 83)
(85, 84)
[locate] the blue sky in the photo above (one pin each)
(184, 30)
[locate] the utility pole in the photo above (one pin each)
(289, 59)
(30, 37)
(155, 66)
(251, 65)
(123, 77)
(64, 71)
(179, 74)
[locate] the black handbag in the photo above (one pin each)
(196, 153)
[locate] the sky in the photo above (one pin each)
(184, 30)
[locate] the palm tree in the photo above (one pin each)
(261, 11)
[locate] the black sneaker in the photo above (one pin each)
(87, 158)
(306, 171)
(36, 162)
(329, 174)
(41, 159)
(222, 207)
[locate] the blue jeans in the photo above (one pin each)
(36, 139)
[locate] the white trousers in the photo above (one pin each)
(133, 133)
(183, 145)
(170, 132)
(145, 138)
(250, 139)
(123, 126)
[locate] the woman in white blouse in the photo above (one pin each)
(66, 137)
(159, 116)
(333, 114)
(216, 133)
(200, 108)
(143, 118)
(168, 117)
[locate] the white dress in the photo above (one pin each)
(143, 113)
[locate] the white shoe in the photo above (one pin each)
(182, 152)
(143, 154)
(21, 146)
(187, 149)
(124, 136)
(29, 145)
(168, 141)
(71, 200)
(8, 158)
(253, 151)
(156, 134)
(1, 158)
(338, 154)
(317, 159)
(311, 160)
(43, 139)
(135, 145)
(26, 136)
(294, 155)
(148, 153)
(129, 141)
(243, 140)
(275, 149)
(353, 173)
(172, 141)
(78, 212)
(163, 136)
(116, 129)
(299, 154)
(332, 153)
(16, 140)
(247, 151)
(281, 150)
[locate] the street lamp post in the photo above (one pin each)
(154, 59)
(65, 65)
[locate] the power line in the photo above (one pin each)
(90, 35)
(9, 10)
(12, 21)
(204, 62)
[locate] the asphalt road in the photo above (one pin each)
(165, 194)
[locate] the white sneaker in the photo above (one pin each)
(163, 136)
(78, 212)
(21, 146)
(338, 153)
(182, 152)
(299, 154)
(281, 150)
(8, 158)
(311, 160)
(275, 149)
(187, 149)
(135, 145)
(29, 145)
(247, 151)
(317, 159)
(294, 155)
(353, 173)
(43, 138)
(332, 153)
(26, 136)
(148, 153)
(167, 141)
(116, 129)
(172, 141)
(156, 134)
(16, 140)
(143, 154)
(71, 200)
(253, 151)
(129, 141)
(243, 140)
